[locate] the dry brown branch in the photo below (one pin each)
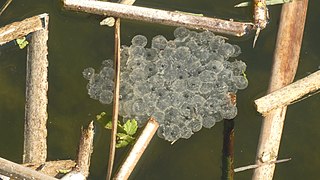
(35, 131)
(115, 112)
(137, 150)
(159, 16)
(260, 17)
(85, 150)
(51, 168)
(285, 63)
(288, 94)
(17, 171)
(19, 29)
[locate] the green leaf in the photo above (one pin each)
(104, 121)
(123, 136)
(121, 143)
(244, 75)
(123, 140)
(64, 171)
(22, 42)
(131, 127)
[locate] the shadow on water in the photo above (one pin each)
(76, 41)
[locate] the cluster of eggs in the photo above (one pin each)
(185, 83)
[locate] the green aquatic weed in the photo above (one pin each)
(22, 42)
(125, 132)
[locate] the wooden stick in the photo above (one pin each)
(137, 150)
(253, 166)
(228, 150)
(285, 63)
(51, 168)
(5, 5)
(109, 21)
(261, 17)
(288, 94)
(17, 171)
(115, 113)
(35, 130)
(159, 16)
(85, 150)
(19, 29)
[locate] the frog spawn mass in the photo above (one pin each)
(185, 83)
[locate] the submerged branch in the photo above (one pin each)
(228, 150)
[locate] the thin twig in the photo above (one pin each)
(115, 97)
(228, 150)
(5, 5)
(261, 17)
(137, 150)
(253, 166)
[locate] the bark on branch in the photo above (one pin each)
(17, 171)
(85, 150)
(159, 16)
(288, 94)
(19, 29)
(35, 130)
(285, 63)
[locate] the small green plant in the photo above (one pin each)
(125, 132)
(244, 75)
(22, 42)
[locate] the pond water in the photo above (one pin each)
(76, 41)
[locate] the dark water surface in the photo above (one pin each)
(76, 41)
